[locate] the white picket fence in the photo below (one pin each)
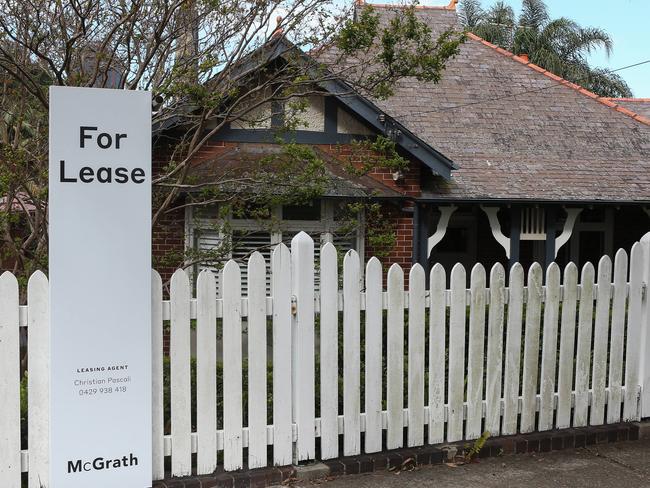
(506, 388)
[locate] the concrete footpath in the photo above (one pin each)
(623, 464)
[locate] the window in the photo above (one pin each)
(317, 218)
(309, 211)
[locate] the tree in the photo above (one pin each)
(560, 46)
(208, 63)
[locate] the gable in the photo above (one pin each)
(339, 116)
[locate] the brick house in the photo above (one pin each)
(508, 162)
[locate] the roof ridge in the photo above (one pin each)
(451, 6)
(609, 102)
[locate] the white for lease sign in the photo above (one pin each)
(100, 288)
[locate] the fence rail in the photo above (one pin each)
(554, 349)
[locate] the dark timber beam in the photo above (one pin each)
(551, 227)
(515, 233)
(331, 115)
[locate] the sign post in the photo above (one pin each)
(100, 287)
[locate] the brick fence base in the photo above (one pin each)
(552, 440)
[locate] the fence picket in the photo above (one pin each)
(329, 362)
(495, 350)
(9, 383)
(617, 335)
(437, 359)
(475, 353)
(206, 372)
(179, 349)
(644, 332)
(456, 384)
(583, 349)
(157, 387)
(601, 331)
(531, 348)
(416, 357)
(632, 350)
(549, 348)
(282, 387)
(351, 355)
(38, 379)
(567, 346)
(513, 351)
(395, 359)
(373, 356)
(232, 367)
(302, 266)
(257, 414)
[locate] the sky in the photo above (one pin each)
(626, 21)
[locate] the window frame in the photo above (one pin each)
(287, 229)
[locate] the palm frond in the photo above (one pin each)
(501, 14)
(534, 14)
(607, 84)
(470, 12)
(592, 38)
(560, 45)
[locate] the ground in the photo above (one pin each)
(608, 465)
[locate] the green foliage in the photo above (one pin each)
(403, 48)
(296, 175)
(476, 447)
(372, 153)
(380, 231)
(560, 46)
(23, 398)
(360, 33)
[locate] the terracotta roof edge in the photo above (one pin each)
(608, 102)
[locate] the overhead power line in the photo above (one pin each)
(510, 95)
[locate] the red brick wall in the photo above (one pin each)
(168, 243)
(402, 253)
(409, 185)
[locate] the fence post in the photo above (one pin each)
(644, 363)
(302, 326)
(157, 387)
(9, 383)
(181, 427)
(38, 379)
(282, 390)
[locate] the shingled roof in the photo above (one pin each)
(519, 132)
(240, 163)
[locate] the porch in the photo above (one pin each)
(525, 232)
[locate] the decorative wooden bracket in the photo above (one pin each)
(495, 226)
(441, 229)
(572, 215)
